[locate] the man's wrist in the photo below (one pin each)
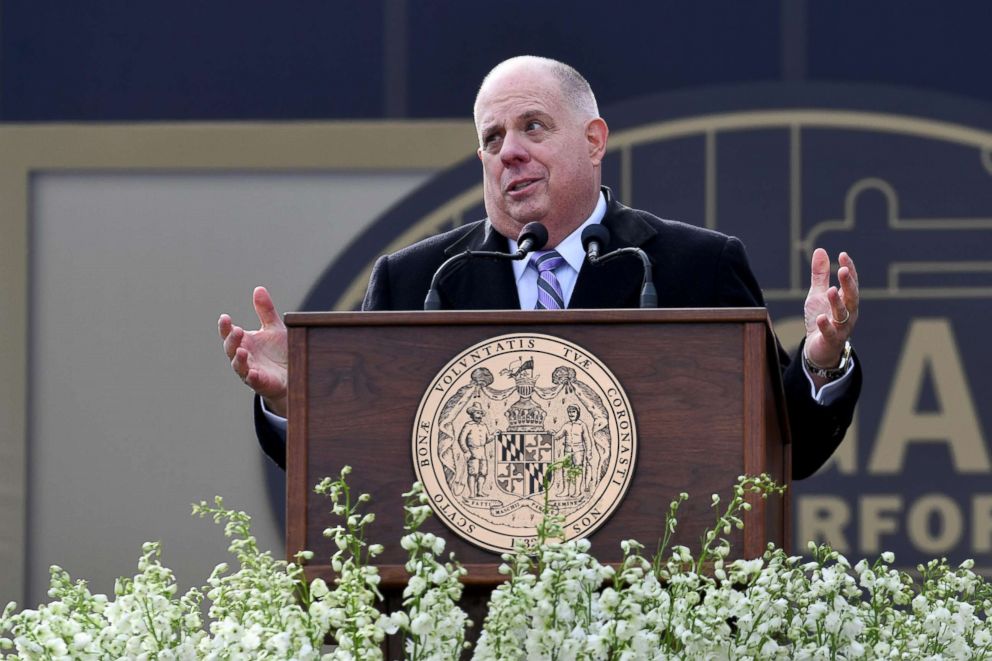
(829, 373)
(278, 407)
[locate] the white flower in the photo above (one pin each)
(318, 588)
(250, 641)
(415, 586)
(421, 624)
(439, 575)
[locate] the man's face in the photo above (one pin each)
(538, 161)
(573, 415)
(476, 415)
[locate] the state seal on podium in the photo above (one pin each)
(498, 415)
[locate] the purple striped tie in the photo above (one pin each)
(549, 296)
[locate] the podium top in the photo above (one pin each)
(546, 317)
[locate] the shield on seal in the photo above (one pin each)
(521, 459)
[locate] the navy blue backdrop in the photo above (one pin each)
(326, 59)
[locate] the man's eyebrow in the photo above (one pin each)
(529, 114)
(489, 128)
(486, 129)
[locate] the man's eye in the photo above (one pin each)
(534, 125)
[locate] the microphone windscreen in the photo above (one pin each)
(595, 232)
(536, 232)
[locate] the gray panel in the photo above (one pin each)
(134, 411)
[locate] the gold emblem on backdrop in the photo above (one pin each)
(494, 419)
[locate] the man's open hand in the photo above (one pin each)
(259, 357)
(830, 312)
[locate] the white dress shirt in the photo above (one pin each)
(570, 248)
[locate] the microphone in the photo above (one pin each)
(532, 237)
(594, 239)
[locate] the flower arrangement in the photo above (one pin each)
(558, 602)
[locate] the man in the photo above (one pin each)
(473, 441)
(541, 144)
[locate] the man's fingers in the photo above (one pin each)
(233, 341)
(830, 334)
(849, 293)
(820, 270)
(845, 260)
(839, 312)
(267, 385)
(253, 379)
(264, 308)
(849, 287)
(239, 362)
(224, 326)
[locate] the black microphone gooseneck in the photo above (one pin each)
(594, 240)
(532, 237)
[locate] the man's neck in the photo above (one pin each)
(557, 234)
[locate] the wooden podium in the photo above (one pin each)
(704, 386)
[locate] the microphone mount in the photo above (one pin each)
(532, 237)
(594, 239)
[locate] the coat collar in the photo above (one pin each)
(479, 283)
(617, 282)
(489, 284)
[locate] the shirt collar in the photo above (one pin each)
(571, 246)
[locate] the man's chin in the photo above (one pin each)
(511, 228)
(514, 221)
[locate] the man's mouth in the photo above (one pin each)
(521, 185)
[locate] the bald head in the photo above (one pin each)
(541, 143)
(574, 88)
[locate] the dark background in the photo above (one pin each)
(152, 60)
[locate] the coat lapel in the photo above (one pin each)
(479, 283)
(616, 283)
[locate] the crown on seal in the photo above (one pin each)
(524, 414)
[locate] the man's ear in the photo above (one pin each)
(596, 134)
(478, 152)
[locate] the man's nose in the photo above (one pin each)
(514, 149)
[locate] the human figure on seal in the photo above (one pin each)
(578, 444)
(473, 439)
